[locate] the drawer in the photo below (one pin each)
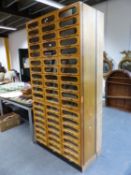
(39, 115)
(35, 63)
(32, 24)
(38, 96)
(69, 22)
(55, 139)
(36, 76)
(52, 99)
(54, 146)
(51, 70)
(52, 126)
(54, 109)
(38, 89)
(50, 62)
(52, 93)
(54, 130)
(49, 36)
(70, 87)
(40, 122)
(34, 54)
(49, 44)
(38, 109)
(69, 95)
(51, 78)
(53, 116)
(69, 70)
(75, 158)
(51, 85)
(72, 125)
(34, 47)
(71, 147)
(70, 41)
(40, 131)
(33, 33)
(70, 79)
(39, 104)
(71, 139)
(41, 139)
(49, 27)
(69, 51)
(48, 18)
(75, 105)
(68, 11)
(34, 40)
(71, 115)
(50, 53)
(36, 69)
(69, 32)
(72, 129)
(37, 82)
(70, 62)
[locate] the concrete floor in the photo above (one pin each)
(19, 156)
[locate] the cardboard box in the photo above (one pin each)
(8, 121)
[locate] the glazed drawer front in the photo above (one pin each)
(54, 109)
(33, 25)
(34, 40)
(51, 70)
(51, 85)
(68, 32)
(70, 79)
(49, 44)
(48, 19)
(70, 95)
(38, 96)
(68, 22)
(53, 35)
(52, 93)
(49, 27)
(70, 41)
(52, 99)
(70, 11)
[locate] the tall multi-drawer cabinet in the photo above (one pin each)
(66, 56)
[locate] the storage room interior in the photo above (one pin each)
(65, 87)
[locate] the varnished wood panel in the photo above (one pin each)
(99, 79)
(88, 57)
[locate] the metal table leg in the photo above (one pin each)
(1, 107)
(31, 123)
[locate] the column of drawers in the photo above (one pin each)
(36, 71)
(69, 71)
(49, 31)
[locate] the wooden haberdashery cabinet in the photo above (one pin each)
(66, 57)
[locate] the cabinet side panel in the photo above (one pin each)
(88, 51)
(99, 75)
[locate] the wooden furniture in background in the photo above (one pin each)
(66, 51)
(125, 63)
(118, 90)
(107, 65)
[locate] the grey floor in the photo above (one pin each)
(19, 156)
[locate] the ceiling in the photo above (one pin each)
(15, 13)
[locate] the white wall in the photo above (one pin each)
(3, 58)
(117, 27)
(17, 40)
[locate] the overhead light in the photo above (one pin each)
(7, 28)
(51, 3)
